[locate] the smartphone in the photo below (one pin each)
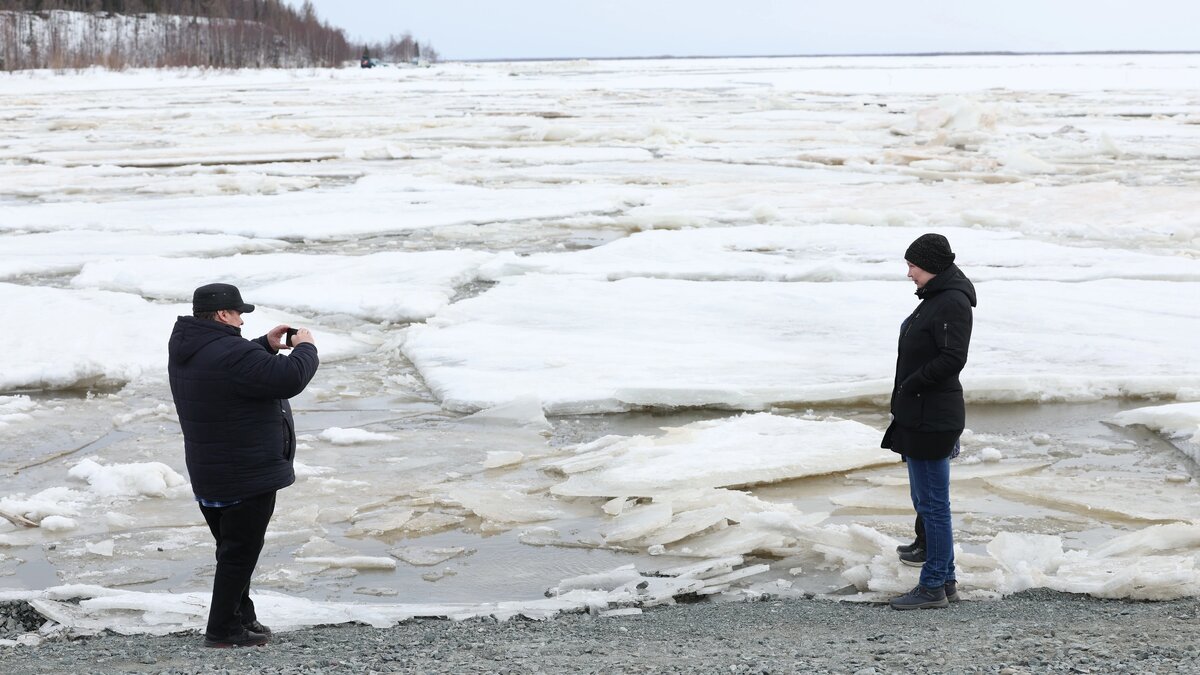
(291, 333)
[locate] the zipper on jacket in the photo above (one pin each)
(916, 315)
(945, 335)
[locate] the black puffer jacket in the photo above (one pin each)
(927, 398)
(232, 398)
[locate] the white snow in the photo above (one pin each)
(647, 236)
(743, 450)
(584, 345)
(14, 409)
(339, 436)
(1176, 420)
(838, 252)
(499, 458)
(137, 613)
(76, 338)
(68, 251)
(58, 523)
(56, 503)
(378, 287)
(148, 479)
(382, 205)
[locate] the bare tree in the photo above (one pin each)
(153, 33)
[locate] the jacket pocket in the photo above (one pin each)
(288, 450)
(945, 411)
(908, 409)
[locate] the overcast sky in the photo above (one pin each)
(500, 29)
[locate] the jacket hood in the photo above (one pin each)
(190, 335)
(951, 279)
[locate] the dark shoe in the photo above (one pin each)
(256, 627)
(909, 548)
(914, 558)
(951, 589)
(243, 639)
(922, 598)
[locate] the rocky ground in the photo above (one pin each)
(1032, 632)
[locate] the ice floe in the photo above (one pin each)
(54, 253)
(80, 338)
(585, 345)
(394, 286)
(1176, 420)
(744, 450)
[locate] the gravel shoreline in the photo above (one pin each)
(1032, 632)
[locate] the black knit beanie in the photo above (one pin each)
(931, 252)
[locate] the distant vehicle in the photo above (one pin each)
(370, 63)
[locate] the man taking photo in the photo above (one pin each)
(239, 439)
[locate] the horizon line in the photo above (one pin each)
(1089, 52)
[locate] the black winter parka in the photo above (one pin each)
(231, 395)
(928, 411)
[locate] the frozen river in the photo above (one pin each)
(575, 316)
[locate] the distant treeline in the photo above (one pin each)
(402, 49)
(118, 34)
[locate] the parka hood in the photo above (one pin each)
(190, 335)
(952, 279)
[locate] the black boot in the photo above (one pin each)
(919, 526)
(951, 588)
(914, 558)
(244, 638)
(922, 598)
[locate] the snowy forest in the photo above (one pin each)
(119, 34)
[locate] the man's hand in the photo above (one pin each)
(303, 335)
(275, 337)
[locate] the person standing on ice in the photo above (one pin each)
(231, 395)
(929, 413)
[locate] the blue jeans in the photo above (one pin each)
(929, 484)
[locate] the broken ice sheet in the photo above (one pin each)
(499, 458)
(151, 479)
(682, 518)
(1127, 497)
(506, 506)
(380, 522)
(637, 522)
(325, 554)
(841, 252)
(424, 556)
(959, 472)
(130, 350)
(585, 345)
(742, 450)
(1032, 560)
(393, 286)
(898, 498)
(1176, 420)
(439, 574)
(1178, 537)
(103, 548)
(339, 436)
(431, 521)
(524, 411)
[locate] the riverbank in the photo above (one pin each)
(1030, 632)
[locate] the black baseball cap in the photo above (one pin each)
(214, 297)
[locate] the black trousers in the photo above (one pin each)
(240, 531)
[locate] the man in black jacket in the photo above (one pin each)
(239, 438)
